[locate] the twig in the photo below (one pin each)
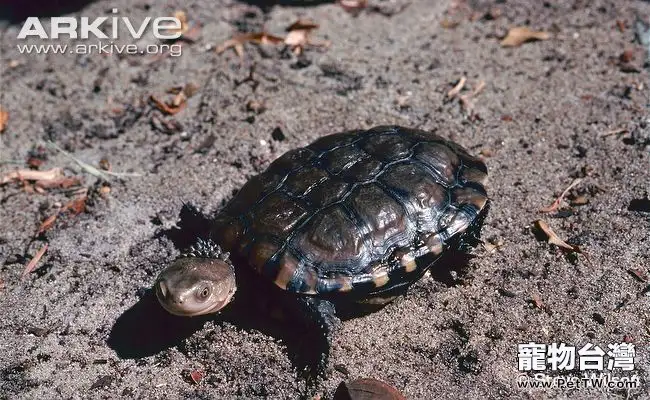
(105, 175)
(613, 132)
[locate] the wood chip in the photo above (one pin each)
(31, 265)
(558, 201)
(4, 118)
(522, 34)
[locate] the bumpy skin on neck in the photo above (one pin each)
(201, 281)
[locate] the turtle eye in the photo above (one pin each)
(203, 292)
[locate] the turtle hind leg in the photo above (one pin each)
(318, 318)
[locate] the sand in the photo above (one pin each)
(84, 324)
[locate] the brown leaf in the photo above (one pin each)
(522, 34)
(166, 108)
(190, 89)
(299, 35)
(104, 191)
(4, 117)
(32, 175)
(77, 205)
(46, 224)
(32, 263)
(579, 200)
(196, 376)
(353, 6)
(537, 301)
(297, 38)
(553, 238)
(237, 42)
(626, 56)
(255, 106)
(105, 164)
(303, 24)
(558, 200)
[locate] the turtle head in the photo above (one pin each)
(201, 281)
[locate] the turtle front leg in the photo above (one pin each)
(319, 317)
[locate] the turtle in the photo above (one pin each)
(343, 225)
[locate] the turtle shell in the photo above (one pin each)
(358, 211)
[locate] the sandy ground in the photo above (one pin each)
(83, 324)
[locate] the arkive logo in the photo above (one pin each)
(163, 28)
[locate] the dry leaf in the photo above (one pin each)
(166, 108)
(522, 34)
(47, 224)
(32, 263)
(299, 33)
(579, 201)
(4, 117)
(32, 175)
(553, 238)
(105, 164)
(537, 301)
(353, 6)
(303, 24)
(196, 376)
(76, 206)
(558, 201)
(237, 42)
(104, 191)
(190, 89)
